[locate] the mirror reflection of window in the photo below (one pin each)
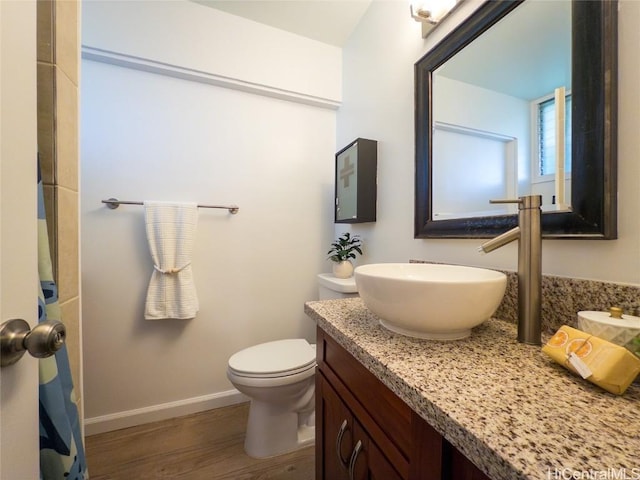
(544, 176)
(546, 136)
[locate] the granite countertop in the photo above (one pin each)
(506, 406)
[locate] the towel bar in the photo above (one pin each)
(115, 203)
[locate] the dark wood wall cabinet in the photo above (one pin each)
(356, 182)
(365, 431)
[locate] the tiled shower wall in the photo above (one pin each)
(58, 72)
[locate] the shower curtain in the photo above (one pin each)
(61, 447)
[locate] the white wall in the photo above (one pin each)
(188, 35)
(495, 169)
(378, 103)
(150, 136)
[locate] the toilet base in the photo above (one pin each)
(273, 431)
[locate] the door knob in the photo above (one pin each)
(16, 337)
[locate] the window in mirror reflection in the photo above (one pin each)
(547, 172)
(546, 136)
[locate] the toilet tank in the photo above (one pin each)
(330, 287)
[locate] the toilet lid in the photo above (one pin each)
(279, 357)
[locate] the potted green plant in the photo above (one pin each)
(341, 253)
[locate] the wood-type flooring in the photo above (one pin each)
(202, 446)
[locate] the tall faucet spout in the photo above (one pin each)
(499, 241)
(529, 236)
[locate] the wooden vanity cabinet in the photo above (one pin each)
(366, 432)
(349, 452)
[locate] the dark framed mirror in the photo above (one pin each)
(590, 207)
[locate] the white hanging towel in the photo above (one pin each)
(171, 229)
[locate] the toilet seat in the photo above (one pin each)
(281, 358)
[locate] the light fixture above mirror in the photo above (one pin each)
(431, 12)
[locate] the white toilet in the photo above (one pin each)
(330, 287)
(279, 378)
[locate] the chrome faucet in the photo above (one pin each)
(529, 236)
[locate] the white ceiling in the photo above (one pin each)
(523, 40)
(328, 21)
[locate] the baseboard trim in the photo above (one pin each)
(163, 411)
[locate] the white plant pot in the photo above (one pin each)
(343, 269)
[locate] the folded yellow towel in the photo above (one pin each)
(603, 363)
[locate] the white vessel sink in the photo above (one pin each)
(441, 302)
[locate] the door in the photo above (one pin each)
(18, 235)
